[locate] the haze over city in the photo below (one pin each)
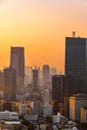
(41, 27)
(43, 64)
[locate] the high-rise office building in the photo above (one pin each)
(35, 78)
(17, 62)
(46, 73)
(1, 82)
(57, 92)
(76, 63)
(9, 76)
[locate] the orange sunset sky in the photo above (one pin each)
(41, 27)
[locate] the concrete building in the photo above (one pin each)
(59, 119)
(46, 74)
(17, 62)
(9, 76)
(35, 78)
(1, 84)
(37, 109)
(76, 63)
(46, 97)
(22, 108)
(27, 76)
(47, 110)
(58, 92)
(9, 115)
(83, 114)
(76, 102)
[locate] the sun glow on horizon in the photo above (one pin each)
(40, 27)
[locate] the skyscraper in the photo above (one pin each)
(57, 92)
(35, 78)
(9, 76)
(76, 63)
(46, 74)
(17, 62)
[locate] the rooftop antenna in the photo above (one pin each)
(73, 34)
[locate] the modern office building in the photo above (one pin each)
(76, 63)
(76, 102)
(58, 92)
(17, 62)
(9, 76)
(46, 74)
(35, 78)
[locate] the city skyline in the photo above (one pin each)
(40, 27)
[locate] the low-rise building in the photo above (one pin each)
(83, 114)
(75, 103)
(7, 115)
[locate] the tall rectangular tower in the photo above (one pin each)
(58, 84)
(17, 60)
(9, 76)
(76, 63)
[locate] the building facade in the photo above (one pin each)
(76, 102)
(46, 74)
(17, 62)
(76, 63)
(46, 97)
(35, 78)
(83, 114)
(58, 84)
(9, 76)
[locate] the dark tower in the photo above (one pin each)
(57, 92)
(35, 78)
(76, 63)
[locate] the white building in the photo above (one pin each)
(59, 118)
(9, 115)
(56, 118)
(75, 103)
